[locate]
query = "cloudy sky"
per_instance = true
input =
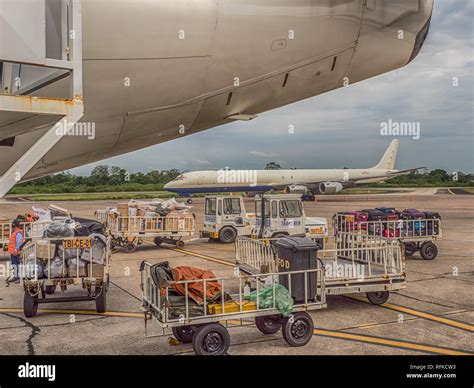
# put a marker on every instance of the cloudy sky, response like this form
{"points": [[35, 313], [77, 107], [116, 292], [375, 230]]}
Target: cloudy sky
{"points": [[342, 128]]}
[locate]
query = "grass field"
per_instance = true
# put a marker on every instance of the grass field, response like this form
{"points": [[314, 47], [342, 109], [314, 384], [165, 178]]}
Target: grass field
{"points": [[96, 196]]}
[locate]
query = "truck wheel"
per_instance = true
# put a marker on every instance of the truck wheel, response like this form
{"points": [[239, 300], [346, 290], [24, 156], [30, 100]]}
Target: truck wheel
{"points": [[379, 297], [184, 334], [227, 235], [30, 305], [180, 244], [50, 290], [429, 251], [158, 241], [101, 300], [268, 325], [189, 201], [298, 329], [211, 340], [130, 248], [410, 249]]}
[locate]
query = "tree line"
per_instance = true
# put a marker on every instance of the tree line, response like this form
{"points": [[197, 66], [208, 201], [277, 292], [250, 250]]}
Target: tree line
{"points": [[105, 178], [102, 178]]}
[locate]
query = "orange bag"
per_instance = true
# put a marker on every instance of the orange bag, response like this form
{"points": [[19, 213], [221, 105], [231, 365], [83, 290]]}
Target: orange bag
{"points": [[196, 290]]}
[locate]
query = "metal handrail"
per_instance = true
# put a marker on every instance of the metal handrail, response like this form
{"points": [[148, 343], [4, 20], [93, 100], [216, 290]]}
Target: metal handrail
{"points": [[418, 228]]}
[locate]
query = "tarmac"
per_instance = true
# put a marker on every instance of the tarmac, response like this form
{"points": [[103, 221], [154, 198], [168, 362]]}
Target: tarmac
{"points": [[433, 315]]}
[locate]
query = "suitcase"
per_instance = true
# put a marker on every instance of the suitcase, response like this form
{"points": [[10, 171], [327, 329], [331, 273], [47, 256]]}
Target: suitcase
{"points": [[414, 226], [391, 233], [374, 214], [432, 226], [412, 214], [387, 210], [352, 221]]}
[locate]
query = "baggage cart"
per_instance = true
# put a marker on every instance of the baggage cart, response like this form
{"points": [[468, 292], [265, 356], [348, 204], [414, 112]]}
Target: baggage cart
{"points": [[128, 232], [207, 328], [356, 264], [47, 264], [415, 234]]}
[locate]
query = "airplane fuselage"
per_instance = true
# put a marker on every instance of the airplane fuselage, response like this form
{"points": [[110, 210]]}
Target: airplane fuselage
{"points": [[157, 70]]}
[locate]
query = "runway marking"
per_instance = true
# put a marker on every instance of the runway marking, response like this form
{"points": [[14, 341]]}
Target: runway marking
{"points": [[417, 313], [120, 314], [205, 257], [421, 314], [392, 343], [318, 332], [383, 341]]}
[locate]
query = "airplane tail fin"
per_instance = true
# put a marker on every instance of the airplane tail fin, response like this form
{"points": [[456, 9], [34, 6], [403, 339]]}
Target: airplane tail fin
{"points": [[389, 158]]}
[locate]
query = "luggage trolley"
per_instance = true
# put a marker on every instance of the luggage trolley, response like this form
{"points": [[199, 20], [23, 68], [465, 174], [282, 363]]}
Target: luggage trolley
{"points": [[201, 324], [415, 234], [130, 232], [49, 263], [355, 265]]}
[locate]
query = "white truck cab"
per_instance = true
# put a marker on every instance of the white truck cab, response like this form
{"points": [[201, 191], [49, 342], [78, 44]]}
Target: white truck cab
{"points": [[225, 218], [283, 215]]}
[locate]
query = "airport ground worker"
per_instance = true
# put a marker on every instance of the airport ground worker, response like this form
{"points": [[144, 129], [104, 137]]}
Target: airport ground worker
{"points": [[14, 249]]}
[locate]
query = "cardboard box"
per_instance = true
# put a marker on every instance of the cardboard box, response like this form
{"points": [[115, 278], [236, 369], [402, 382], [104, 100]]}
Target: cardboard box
{"points": [[122, 208], [42, 247]]}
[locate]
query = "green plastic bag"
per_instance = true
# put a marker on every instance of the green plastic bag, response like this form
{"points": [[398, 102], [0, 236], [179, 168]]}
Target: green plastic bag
{"points": [[283, 299]]}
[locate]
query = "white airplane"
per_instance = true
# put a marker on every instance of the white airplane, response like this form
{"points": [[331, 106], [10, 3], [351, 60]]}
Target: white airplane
{"points": [[319, 181], [156, 70]]}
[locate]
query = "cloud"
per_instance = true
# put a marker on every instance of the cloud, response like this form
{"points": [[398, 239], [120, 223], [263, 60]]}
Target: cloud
{"points": [[261, 154]]}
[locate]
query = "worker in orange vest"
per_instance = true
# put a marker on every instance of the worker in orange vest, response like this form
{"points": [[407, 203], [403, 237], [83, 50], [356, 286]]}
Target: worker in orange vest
{"points": [[14, 249]]}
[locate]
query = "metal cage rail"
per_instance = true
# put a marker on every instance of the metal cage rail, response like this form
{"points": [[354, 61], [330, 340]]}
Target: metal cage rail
{"points": [[128, 232], [48, 263], [356, 264]]}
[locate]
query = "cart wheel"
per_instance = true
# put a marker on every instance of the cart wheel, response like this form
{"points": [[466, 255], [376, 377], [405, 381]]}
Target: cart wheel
{"points": [[270, 324], [429, 251], [211, 340], [50, 290], [30, 305], [227, 235], [180, 244], [184, 334], [101, 300], [130, 248], [298, 329], [158, 241], [189, 201], [378, 298], [410, 249]]}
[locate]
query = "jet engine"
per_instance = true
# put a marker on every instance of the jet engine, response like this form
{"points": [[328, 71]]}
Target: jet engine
{"points": [[328, 188], [296, 189]]}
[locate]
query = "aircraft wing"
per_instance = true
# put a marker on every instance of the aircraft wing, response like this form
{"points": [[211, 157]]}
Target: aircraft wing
{"points": [[389, 175]]}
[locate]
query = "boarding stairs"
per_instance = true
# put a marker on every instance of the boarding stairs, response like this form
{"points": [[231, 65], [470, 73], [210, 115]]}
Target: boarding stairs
{"points": [[40, 44]]}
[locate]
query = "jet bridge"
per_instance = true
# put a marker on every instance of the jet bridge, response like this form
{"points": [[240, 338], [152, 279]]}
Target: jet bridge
{"points": [[40, 44]]}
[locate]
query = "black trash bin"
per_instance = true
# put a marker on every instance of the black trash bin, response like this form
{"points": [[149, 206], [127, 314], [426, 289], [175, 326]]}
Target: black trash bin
{"points": [[297, 254]]}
